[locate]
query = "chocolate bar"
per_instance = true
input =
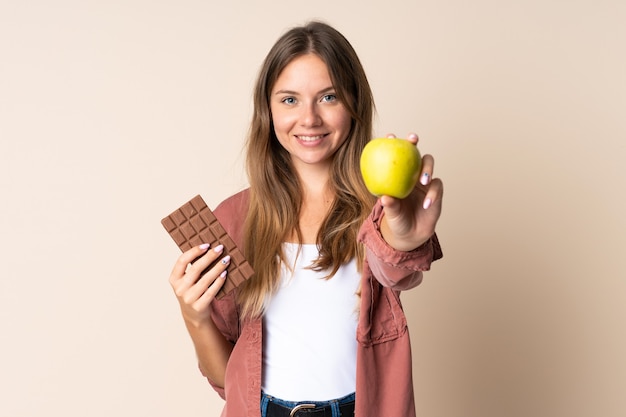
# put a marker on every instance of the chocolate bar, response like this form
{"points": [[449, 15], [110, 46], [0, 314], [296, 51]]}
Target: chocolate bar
{"points": [[193, 224]]}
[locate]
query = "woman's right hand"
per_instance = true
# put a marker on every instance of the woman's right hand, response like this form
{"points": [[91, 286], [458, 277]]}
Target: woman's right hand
{"points": [[194, 292]]}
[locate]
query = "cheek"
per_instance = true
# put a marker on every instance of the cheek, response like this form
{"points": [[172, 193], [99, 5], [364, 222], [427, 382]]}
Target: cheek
{"points": [[344, 121], [280, 120], [341, 116]]}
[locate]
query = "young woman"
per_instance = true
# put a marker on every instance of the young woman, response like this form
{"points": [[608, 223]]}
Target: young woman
{"points": [[319, 329]]}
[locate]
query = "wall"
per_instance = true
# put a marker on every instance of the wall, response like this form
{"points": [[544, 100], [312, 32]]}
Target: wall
{"points": [[113, 113]]}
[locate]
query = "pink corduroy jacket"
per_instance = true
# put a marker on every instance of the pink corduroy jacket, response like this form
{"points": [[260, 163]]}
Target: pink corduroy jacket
{"points": [[384, 385]]}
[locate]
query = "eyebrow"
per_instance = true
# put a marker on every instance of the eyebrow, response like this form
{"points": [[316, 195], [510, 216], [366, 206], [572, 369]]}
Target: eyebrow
{"points": [[295, 93]]}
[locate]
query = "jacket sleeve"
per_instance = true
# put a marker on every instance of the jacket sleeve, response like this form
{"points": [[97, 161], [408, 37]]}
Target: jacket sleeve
{"points": [[225, 317], [224, 312], [396, 269]]}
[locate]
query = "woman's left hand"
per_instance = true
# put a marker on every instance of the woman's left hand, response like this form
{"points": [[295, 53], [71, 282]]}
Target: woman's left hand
{"points": [[410, 222]]}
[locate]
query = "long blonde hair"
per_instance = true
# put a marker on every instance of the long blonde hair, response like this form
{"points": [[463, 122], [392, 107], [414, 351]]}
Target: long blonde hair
{"points": [[275, 192]]}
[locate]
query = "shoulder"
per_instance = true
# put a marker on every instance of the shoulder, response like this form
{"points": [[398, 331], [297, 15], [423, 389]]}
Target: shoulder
{"points": [[232, 212], [234, 205]]}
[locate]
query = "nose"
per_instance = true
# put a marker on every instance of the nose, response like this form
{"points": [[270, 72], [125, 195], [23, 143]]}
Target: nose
{"points": [[310, 115]]}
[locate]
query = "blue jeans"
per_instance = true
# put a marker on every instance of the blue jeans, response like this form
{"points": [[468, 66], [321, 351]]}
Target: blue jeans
{"points": [[334, 404]]}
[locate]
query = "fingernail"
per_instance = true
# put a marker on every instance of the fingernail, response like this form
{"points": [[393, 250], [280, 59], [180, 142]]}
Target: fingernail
{"points": [[424, 179], [205, 246], [226, 260], [427, 203], [223, 274], [218, 248]]}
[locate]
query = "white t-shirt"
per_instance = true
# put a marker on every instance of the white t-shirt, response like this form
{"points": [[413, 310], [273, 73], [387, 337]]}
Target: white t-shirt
{"points": [[309, 341]]}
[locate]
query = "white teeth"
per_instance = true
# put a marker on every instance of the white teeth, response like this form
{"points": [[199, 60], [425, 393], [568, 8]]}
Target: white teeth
{"points": [[310, 138]]}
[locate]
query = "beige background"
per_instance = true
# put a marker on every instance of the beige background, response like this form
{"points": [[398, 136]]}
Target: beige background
{"points": [[114, 113]]}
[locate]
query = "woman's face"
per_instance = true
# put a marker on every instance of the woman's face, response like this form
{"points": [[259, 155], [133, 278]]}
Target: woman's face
{"points": [[309, 121]]}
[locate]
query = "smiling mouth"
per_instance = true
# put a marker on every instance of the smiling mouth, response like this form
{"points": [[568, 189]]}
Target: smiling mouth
{"points": [[305, 138]]}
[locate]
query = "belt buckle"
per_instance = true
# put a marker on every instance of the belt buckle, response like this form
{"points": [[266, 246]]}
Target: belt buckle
{"points": [[300, 407]]}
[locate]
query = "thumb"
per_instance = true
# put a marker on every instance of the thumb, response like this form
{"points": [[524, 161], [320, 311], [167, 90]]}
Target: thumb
{"points": [[391, 206]]}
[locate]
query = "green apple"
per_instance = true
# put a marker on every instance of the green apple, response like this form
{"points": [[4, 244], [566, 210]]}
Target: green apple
{"points": [[390, 166]]}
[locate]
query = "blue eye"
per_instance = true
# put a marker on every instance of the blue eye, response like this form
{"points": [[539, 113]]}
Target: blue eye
{"points": [[289, 100], [329, 97]]}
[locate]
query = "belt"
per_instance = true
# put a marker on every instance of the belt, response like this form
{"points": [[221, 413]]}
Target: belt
{"points": [[308, 410]]}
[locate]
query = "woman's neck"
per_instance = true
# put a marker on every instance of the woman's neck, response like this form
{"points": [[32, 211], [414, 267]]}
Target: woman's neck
{"points": [[317, 198], [313, 177]]}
